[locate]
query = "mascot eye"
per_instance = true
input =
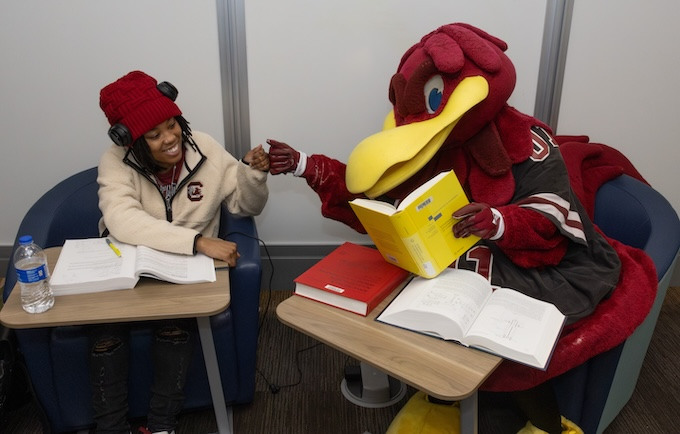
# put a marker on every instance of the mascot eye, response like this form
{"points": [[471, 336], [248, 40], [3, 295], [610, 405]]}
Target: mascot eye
{"points": [[433, 91]]}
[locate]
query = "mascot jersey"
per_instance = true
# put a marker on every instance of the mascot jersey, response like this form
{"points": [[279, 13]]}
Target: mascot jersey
{"points": [[589, 268]]}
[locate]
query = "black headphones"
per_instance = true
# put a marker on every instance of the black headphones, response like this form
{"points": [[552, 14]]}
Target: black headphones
{"points": [[120, 134]]}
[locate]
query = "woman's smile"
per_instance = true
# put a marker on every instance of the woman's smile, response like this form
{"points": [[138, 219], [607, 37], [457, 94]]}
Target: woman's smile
{"points": [[174, 150], [165, 143]]}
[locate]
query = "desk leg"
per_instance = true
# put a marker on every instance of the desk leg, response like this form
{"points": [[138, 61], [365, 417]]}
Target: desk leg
{"points": [[223, 414], [375, 389], [468, 414]]}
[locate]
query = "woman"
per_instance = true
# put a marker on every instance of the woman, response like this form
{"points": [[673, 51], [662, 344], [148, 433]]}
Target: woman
{"points": [[162, 185]]}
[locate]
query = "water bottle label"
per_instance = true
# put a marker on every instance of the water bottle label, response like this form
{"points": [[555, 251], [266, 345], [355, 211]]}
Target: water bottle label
{"points": [[33, 275]]}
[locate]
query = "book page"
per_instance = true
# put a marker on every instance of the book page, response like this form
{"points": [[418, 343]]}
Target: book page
{"points": [[175, 268], [513, 325], [92, 260], [415, 194], [446, 305], [375, 205]]}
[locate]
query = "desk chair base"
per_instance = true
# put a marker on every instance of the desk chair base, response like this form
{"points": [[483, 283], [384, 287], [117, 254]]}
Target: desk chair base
{"points": [[372, 388]]}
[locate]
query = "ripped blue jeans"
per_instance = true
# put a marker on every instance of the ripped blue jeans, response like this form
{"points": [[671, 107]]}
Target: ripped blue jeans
{"points": [[109, 359]]}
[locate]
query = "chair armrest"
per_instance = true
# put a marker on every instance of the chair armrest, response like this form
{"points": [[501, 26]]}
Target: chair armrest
{"points": [[247, 273], [634, 213], [245, 282]]}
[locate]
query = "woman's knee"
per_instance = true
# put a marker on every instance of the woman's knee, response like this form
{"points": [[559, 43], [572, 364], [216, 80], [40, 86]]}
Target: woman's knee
{"points": [[107, 345], [172, 334]]}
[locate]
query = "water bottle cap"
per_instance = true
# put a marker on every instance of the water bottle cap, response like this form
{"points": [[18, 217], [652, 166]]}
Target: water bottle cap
{"points": [[25, 239]]}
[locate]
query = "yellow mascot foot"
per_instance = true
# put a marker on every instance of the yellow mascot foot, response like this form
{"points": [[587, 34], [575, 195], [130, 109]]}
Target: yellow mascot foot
{"points": [[420, 416], [568, 427]]}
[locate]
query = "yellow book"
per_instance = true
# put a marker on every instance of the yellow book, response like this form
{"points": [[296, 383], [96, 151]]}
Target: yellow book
{"points": [[417, 235]]}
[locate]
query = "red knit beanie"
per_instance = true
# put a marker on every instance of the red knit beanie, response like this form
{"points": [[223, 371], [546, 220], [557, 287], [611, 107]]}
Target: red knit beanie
{"points": [[135, 102]]}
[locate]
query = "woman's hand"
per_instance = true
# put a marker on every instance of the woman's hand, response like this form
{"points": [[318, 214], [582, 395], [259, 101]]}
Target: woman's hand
{"points": [[257, 159], [218, 248]]}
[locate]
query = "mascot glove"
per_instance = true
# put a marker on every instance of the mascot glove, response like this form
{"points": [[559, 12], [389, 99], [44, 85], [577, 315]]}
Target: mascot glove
{"points": [[479, 219], [284, 159]]}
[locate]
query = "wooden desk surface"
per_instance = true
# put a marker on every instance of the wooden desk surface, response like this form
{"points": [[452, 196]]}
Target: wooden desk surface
{"points": [[442, 369], [150, 299]]}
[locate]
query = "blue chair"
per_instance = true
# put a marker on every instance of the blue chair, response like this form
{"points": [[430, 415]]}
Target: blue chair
{"points": [[57, 358], [632, 212]]}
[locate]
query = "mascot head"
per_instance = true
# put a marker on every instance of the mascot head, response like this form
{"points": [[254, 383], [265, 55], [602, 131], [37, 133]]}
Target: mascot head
{"points": [[447, 88]]}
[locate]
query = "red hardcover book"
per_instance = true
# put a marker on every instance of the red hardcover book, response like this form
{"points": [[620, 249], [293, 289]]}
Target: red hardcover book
{"points": [[352, 277]]}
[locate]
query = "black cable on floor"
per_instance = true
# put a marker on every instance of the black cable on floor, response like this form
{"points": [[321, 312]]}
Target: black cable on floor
{"points": [[274, 388]]}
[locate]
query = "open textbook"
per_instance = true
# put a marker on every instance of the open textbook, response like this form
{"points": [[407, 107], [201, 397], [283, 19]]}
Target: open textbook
{"points": [[417, 235], [462, 306], [92, 265]]}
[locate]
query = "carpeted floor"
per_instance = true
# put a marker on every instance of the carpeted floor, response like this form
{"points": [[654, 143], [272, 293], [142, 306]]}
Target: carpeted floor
{"points": [[306, 376]]}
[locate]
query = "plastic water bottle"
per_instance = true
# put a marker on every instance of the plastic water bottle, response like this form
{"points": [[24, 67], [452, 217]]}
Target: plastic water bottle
{"points": [[30, 262]]}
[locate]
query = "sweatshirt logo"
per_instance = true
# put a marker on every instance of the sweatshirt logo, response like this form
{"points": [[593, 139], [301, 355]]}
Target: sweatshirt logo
{"points": [[195, 191]]}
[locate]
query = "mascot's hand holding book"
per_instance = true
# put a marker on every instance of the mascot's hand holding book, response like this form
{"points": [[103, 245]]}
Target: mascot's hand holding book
{"points": [[417, 235]]}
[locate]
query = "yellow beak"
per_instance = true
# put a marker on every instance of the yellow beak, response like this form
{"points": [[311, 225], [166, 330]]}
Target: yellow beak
{"points": [[384, 160]]}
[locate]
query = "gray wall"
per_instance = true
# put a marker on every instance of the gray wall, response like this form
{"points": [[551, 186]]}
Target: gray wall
{"points": [[621, 85]]}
